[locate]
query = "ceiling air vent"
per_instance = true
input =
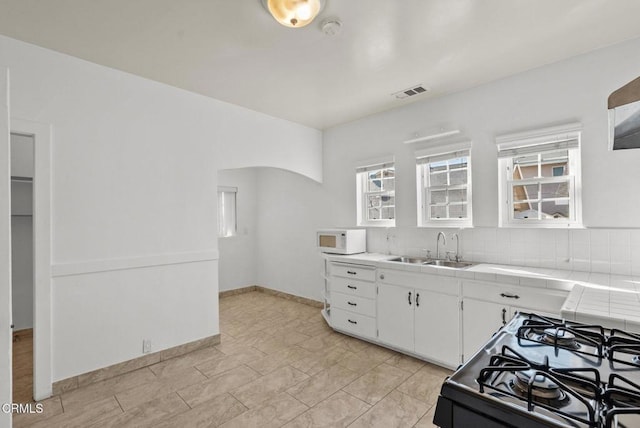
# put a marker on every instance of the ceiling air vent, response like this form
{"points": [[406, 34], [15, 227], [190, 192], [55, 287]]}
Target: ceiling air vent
{"points": [[405, 93]]}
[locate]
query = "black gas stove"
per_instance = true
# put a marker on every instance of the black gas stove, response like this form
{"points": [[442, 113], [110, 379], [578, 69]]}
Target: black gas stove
{"points": [[546, 372]]}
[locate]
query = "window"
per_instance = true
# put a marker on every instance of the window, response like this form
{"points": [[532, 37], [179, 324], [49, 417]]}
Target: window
{"points": [[444, 186], [540, 178], [376, 198], [227, 221]]}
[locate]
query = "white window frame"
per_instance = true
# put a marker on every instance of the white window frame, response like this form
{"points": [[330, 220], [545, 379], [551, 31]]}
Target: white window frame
{"points": [[423, 186], [564, 137], [363, 169], [227, 216]]}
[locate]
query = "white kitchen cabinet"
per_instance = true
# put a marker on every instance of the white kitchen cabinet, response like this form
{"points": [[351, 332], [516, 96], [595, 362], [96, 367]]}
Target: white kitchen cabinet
{"points": [[488, 306], [420, 313], [480, 320], [395, 315], [437, 326], [352, 291]]}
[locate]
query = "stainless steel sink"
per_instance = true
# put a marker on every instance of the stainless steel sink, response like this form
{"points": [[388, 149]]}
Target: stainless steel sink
{"points": [[450, 264], [413, 260], [431, 262]]}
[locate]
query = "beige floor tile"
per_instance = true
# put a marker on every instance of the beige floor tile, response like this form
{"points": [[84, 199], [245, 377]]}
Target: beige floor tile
{"points": [[424, 385], [80, 398], [283, 357], [372, 386], [199, 393], [377, 353], [394, 410], [271, 414], [139, 395], [357, 362], [220, 365], [51, 407], [339, 410], [427, 420], [324, 341], [320, 361], [322, 385], [405, 362], [149, 414], [102, 410], [233, 348], [210, 413], [178, 364], [267, 387]]}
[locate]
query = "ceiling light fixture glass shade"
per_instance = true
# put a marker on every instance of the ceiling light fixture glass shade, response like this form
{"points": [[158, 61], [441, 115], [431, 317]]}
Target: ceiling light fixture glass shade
{"points": [[294, 13]]}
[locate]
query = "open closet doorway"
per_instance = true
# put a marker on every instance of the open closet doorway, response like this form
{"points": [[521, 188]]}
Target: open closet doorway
{"points": [[22, 267]]}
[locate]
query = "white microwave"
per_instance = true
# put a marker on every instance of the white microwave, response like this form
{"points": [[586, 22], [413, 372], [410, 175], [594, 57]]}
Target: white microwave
{"points": [[342, 241]]}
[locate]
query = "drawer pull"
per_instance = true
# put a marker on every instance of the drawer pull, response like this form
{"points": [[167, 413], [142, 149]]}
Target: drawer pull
{"points": [[350, 272], [417, 299], [510, 296], [352, 304], [504, 316], [409, 298], [353, 287], [352, 321]]}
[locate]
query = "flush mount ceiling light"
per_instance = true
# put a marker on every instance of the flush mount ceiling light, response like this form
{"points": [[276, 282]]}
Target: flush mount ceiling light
{"points": [[293, 13]]}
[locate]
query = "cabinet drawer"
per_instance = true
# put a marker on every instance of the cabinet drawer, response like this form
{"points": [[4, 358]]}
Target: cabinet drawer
{"points": [[522, 297], [358, 324], [364, 273], [354, 304], [353, 287]]}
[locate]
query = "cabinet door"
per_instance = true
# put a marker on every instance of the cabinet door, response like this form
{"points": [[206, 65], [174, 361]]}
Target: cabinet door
{"points": [[395, 315], [437, 327], [479, 321]]}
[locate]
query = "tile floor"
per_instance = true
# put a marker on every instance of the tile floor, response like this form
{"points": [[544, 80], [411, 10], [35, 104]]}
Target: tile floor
{"points": [[278, 364]]}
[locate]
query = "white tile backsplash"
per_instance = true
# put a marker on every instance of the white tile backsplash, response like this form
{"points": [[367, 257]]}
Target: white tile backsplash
{"points": [[601, 251]]}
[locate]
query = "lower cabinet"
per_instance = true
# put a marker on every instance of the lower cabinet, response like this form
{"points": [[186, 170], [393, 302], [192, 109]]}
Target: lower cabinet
{"points": [[437, 327], [487, 306], [480, 320], [419, 320]]}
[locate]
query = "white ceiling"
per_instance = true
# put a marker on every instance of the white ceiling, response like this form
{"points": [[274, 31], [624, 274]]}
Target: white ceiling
{"points": [[234, 51]]}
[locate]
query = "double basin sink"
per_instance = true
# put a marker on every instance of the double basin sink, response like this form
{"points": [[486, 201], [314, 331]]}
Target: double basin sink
{"points": [[431, 262]]}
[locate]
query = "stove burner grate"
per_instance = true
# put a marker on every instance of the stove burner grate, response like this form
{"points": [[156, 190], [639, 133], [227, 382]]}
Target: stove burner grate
{"points": [[543, 386], [586, 339], [620, 344]]}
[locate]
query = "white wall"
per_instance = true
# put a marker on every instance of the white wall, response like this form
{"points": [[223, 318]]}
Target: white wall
{"points": [[567, 91], [291, 209], [134, 200], [238, 254]]}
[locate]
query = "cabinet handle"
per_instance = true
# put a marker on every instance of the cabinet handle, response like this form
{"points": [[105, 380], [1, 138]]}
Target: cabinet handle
{"points": [[352, 304], [381, 276], [504, 316], [353, 322], [510, 296], [350, 272], [353, 287], [409, 298], [417, 299]]}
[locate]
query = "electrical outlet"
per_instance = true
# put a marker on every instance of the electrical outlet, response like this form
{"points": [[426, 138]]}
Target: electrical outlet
{"points": [[146, 346]]}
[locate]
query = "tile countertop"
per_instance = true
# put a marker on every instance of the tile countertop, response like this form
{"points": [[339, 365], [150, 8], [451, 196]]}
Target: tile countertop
{"points": [[610, 300]]}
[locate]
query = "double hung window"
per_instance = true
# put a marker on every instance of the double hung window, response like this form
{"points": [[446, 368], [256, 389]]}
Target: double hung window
{"points": [[376, 194], [540, 178], [444, 187]]}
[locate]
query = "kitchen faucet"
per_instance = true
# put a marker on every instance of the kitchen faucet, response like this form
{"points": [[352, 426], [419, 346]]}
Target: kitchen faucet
{"points": [[455, 235], [444, 239]]}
